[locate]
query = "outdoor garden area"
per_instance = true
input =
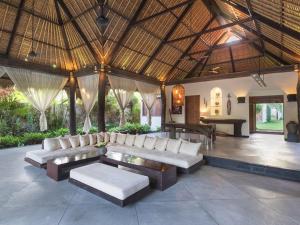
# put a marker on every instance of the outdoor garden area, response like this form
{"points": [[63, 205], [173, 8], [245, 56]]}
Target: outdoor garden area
{"points": [[269, 117]]}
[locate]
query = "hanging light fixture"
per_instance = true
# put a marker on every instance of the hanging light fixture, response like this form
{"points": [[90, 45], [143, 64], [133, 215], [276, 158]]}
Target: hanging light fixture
{"points": [[32, 53], [102, 20], [178, 94]]}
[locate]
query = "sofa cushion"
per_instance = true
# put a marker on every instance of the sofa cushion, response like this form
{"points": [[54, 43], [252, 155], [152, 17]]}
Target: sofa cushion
{"points": [[51, 144], [139, 140], [93, 139], [173, 146], [65, 143], [113, 181], [121, 139], [189, 148], [149, 143], [84, 140], [100, 137], [130, 140], [113, 137], [74, 140], [106, 137], [161, 144]]}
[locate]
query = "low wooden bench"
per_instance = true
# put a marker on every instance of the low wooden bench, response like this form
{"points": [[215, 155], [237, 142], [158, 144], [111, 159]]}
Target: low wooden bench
{"points": [[115, 185]]}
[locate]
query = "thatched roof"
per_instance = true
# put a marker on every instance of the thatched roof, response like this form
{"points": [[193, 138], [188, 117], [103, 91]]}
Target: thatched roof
{"points": [[164, 39]]}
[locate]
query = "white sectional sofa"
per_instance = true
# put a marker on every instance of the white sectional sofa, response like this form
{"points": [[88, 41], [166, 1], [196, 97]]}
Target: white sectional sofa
{"points": [[184, 155]]}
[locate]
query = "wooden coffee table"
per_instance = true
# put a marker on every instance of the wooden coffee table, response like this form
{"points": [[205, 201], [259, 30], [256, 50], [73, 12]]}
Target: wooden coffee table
{"points": [[59, 168], [161, 175]]}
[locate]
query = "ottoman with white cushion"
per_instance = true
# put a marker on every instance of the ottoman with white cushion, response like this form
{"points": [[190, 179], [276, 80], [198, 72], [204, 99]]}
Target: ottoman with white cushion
{"points": [[116, 185]]}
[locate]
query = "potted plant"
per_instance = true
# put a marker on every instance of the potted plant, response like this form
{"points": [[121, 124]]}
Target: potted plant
{"points": [[102, 147]]}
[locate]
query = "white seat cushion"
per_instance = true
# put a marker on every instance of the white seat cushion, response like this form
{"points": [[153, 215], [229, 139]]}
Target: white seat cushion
{"points": [[74, 140], [121, 138], [129, 140], [149, 143], [173, 145], [161, 144], [139, 140], [51, 144], [113, 181], [189, 148]]}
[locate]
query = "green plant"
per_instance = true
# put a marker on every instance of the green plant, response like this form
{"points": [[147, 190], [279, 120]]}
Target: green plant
{"points": [[132, 128], [9, 141]]}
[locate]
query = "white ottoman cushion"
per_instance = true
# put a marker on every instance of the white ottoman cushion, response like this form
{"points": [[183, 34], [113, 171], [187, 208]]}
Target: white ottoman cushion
{"points": [[113, 181]]}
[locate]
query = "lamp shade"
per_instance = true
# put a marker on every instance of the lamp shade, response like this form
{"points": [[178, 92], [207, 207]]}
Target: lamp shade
{"points": [[178, 94]]}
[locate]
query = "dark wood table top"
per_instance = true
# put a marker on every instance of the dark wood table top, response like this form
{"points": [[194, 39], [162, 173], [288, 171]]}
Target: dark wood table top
{"points": [[138, 161], [75, 158], [222, 121]]}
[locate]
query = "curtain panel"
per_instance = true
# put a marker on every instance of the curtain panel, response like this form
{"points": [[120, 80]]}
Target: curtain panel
{"points": [[123, 90], [88, 86], [149, 94], [40, 89]]}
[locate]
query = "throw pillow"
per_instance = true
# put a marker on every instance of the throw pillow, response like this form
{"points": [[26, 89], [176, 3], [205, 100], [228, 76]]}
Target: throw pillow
{"points": [[84, 140], [113, 137], [106, 137], [51, 144], [139, 141], [65, 143], [149, 143], [173, 146], [129, 140], [74, 140], [161, 144], [93, 139], [189, 148], [121, 138], [100, 137]]}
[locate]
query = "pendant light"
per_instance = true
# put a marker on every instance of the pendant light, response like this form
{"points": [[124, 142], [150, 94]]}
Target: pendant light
{"points": [[102, 20], [32, 53], [178, 95]]}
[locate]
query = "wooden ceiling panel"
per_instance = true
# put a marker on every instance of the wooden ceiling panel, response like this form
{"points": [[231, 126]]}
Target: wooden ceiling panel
{"points": [[243, 51], [4, 39], [222, 68], [7, 17], [158, 70], [168, 54], [186, 64], [250, 64], [176, 75], [219, 56]]}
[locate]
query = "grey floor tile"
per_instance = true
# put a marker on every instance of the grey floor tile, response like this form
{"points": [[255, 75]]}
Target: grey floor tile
{"points": [[7, 189], [173, 213]]}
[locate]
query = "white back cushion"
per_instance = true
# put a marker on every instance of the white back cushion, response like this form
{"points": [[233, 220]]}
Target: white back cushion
{"points": [[84, 140], [74, 140], [121, 138], [113, 137], [189, 148], [130, 140], [51, 144], [100, 137], [93, 139], [106, 137], [173, 145], [161, 144], [139, 140], [149, 143], [65, 143]]}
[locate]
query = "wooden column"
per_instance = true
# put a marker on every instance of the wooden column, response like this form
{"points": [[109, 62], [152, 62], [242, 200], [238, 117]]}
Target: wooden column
{"points": [[163, 106], [298, 101], [101, 99], [72, 101]]}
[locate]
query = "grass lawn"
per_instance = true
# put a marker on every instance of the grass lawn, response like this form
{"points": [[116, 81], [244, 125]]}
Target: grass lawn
{"points": [[274, 125]]}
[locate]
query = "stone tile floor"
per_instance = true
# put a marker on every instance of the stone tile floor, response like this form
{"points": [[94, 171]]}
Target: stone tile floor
{"points": [[210, 196]]}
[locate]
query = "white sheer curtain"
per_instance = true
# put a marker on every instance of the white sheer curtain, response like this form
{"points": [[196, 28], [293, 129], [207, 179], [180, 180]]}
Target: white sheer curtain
{"points": [[88, 86], [2, 71], [149, 94], [123, 90], [39, 88]]}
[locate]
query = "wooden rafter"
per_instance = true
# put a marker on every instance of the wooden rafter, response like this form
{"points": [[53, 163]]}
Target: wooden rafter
{"points": [[168, 35], [163, 12], [15, 27], [280, 27], [191, 45], [212, 29], [78, 29], [207, 55], [236, 60], [231, 59], [127, 30]]}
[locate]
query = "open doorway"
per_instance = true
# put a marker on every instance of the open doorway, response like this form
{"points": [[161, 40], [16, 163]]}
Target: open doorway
{"points": [[266, 114]]}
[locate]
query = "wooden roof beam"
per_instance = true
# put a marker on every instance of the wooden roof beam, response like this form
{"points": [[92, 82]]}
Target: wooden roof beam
{"points": [[163, 12], [192, 44], [280, 27], [126, 31], [212, 29], [192, 71], [168, 35], [15, 27], [231, 59]]}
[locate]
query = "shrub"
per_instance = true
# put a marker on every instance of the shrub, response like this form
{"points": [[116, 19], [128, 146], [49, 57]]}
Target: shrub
{"points": [[9, 141], [132, 128]]}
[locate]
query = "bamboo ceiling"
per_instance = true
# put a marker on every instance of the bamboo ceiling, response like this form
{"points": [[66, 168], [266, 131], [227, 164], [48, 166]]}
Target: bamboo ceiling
{"points": [[164, 39]]}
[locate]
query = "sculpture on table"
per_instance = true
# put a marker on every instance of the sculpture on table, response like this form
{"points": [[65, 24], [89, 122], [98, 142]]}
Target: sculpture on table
{"points": [[228, 105]]}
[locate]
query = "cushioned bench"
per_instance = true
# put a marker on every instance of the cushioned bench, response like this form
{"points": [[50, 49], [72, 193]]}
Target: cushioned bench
{"points": [[116, 185]]}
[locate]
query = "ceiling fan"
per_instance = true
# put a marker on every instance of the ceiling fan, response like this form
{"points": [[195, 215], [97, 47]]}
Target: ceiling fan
{"points": [[215, 70], [102, 20]]}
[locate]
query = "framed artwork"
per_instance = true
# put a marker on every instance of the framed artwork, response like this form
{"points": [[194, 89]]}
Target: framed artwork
{"points": [[175, 109]]}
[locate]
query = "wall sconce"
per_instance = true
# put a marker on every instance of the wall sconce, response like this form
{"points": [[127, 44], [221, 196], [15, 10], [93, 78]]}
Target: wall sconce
{"points": [[291, 98], [241, 99]]}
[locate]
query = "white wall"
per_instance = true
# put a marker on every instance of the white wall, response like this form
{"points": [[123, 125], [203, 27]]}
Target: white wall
{"points": [[277, 84], [155, 121]]}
